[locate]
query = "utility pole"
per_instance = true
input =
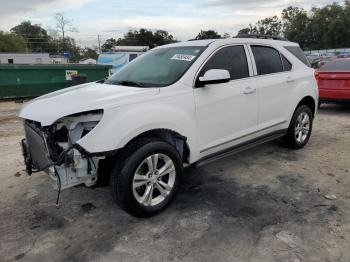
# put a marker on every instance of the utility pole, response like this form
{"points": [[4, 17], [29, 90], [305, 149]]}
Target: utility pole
{"points": [[99, 43]]}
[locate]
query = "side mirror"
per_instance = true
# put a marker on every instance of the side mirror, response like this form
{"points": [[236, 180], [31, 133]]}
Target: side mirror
{"points": [[214, 76]]}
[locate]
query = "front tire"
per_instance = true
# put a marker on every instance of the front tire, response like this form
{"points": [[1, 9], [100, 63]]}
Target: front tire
{"points": [[146, 179], [300, 128]]}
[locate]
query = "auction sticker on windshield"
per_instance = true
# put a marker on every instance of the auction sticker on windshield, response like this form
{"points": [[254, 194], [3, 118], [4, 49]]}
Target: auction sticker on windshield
{"points": [[180, 57]]}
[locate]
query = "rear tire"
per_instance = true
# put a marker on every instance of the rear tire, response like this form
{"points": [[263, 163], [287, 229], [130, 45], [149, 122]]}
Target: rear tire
{"points": [[300, 128], [146, 178]]}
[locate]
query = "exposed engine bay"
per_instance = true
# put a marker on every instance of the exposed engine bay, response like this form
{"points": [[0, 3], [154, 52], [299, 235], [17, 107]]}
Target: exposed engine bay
{"points": [[54, 149]]}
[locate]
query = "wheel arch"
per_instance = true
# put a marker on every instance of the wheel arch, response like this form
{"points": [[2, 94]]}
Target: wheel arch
{"points": [[170, 136], [310, 102]]}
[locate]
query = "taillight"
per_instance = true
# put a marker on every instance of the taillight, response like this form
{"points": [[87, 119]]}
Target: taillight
{"points": [[317, 75]]}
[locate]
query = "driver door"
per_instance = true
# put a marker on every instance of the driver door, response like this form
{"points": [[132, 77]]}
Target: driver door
{"points": [[227, 113]]}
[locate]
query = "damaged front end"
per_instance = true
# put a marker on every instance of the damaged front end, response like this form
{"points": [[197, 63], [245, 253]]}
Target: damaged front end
{"points": [[54, 149]]}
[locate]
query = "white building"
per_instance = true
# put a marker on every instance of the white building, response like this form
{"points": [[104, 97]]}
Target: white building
{"points": [[58, 59], [30, 58], [88, 61]]}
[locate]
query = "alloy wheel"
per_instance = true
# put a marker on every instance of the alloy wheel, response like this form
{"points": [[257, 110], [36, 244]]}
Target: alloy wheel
{"points": [[154, 180], [302, 127]]}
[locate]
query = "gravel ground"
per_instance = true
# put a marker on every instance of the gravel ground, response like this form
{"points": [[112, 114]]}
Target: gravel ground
{"points": [[265, 204]]}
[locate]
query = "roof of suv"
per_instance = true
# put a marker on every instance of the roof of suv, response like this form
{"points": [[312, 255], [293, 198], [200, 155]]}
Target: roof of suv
{"points": [[219, 42]]}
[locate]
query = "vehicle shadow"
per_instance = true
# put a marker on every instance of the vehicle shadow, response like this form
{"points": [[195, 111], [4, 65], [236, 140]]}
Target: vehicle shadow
{"points": [[334, 108]]}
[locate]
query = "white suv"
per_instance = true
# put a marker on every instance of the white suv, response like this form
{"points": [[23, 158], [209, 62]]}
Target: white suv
{"points": [[177, 105]]}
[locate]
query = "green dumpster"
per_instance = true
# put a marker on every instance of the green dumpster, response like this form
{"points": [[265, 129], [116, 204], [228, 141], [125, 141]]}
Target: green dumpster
{"points": [[20, 81]]}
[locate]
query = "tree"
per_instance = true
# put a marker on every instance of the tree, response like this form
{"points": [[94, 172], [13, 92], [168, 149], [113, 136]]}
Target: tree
{"points": [[162, 37], [269, 26], [296, 26], [75, 51], [142, 37], [64, 25], [321, 28], [226, 35], [10, 42], [89, 53], [248, 30], [330, 25], [209, 34], [35, 36], [109, 44]]}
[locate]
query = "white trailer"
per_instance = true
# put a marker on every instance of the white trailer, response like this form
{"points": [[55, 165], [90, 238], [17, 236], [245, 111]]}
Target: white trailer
{"points": [[120, 56]]}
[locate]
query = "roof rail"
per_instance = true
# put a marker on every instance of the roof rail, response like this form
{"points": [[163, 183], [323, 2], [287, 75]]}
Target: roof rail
{"points": [[260, 36]]}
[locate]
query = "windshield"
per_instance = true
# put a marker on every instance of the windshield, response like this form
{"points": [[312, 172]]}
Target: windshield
{"points": [[156, 68]]}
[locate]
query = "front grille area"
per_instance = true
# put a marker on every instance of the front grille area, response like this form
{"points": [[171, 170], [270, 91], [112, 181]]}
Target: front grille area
{"points": [[36, 144]]}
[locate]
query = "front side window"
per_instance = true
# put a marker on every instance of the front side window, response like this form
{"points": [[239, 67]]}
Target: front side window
{"points": [[158, 67], [267, 60], [232, 58]]}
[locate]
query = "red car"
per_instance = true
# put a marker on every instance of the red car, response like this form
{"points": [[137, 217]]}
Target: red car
{"points": [[333, 80]]}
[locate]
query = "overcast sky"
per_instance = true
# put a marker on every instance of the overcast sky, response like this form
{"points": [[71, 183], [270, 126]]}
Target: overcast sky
{"points": [[112, 18]]}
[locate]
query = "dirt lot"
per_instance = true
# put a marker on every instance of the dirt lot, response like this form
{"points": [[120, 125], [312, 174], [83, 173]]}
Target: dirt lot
{"points": [[266, 204]]}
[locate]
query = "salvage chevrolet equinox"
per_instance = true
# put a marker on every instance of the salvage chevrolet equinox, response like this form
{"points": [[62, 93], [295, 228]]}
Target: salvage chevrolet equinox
{"points": [[177, 105]]}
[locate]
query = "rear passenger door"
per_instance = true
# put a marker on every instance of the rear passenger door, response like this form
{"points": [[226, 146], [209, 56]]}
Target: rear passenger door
{"points": [[274, 86]]}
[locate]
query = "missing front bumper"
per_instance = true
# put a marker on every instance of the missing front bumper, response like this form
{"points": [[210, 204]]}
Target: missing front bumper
{"points": [[72, 169]]}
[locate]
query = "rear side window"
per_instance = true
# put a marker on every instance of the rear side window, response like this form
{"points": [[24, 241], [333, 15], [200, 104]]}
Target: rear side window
{"points": [[298, 53], [232, 58], [287, 66], [267, 59]]}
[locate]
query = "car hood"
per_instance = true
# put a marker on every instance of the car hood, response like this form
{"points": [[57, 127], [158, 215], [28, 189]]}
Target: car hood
{"points": [[92, 96]]}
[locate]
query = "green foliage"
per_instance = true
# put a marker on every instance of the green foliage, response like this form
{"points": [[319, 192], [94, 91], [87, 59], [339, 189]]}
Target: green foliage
{"points": [[35, 36], [248, 30], [10, 42], [89, 53], [321, 28], [330, 26], [267, 26], [109, 44], [270, 26], [209, 34], [296, 26], [226, 35], [141, 37]]}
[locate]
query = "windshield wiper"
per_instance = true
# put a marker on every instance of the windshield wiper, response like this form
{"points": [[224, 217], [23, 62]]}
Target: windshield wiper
{"points": [[130, 83]]}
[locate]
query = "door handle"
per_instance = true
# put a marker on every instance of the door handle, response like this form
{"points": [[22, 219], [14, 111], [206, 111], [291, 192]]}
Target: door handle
{"points": [[249, 90], [290, 79]]}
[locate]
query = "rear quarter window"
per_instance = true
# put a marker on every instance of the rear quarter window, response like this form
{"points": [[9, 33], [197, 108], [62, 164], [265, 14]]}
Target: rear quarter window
{"points": [[287, 66], [298, 53]]}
